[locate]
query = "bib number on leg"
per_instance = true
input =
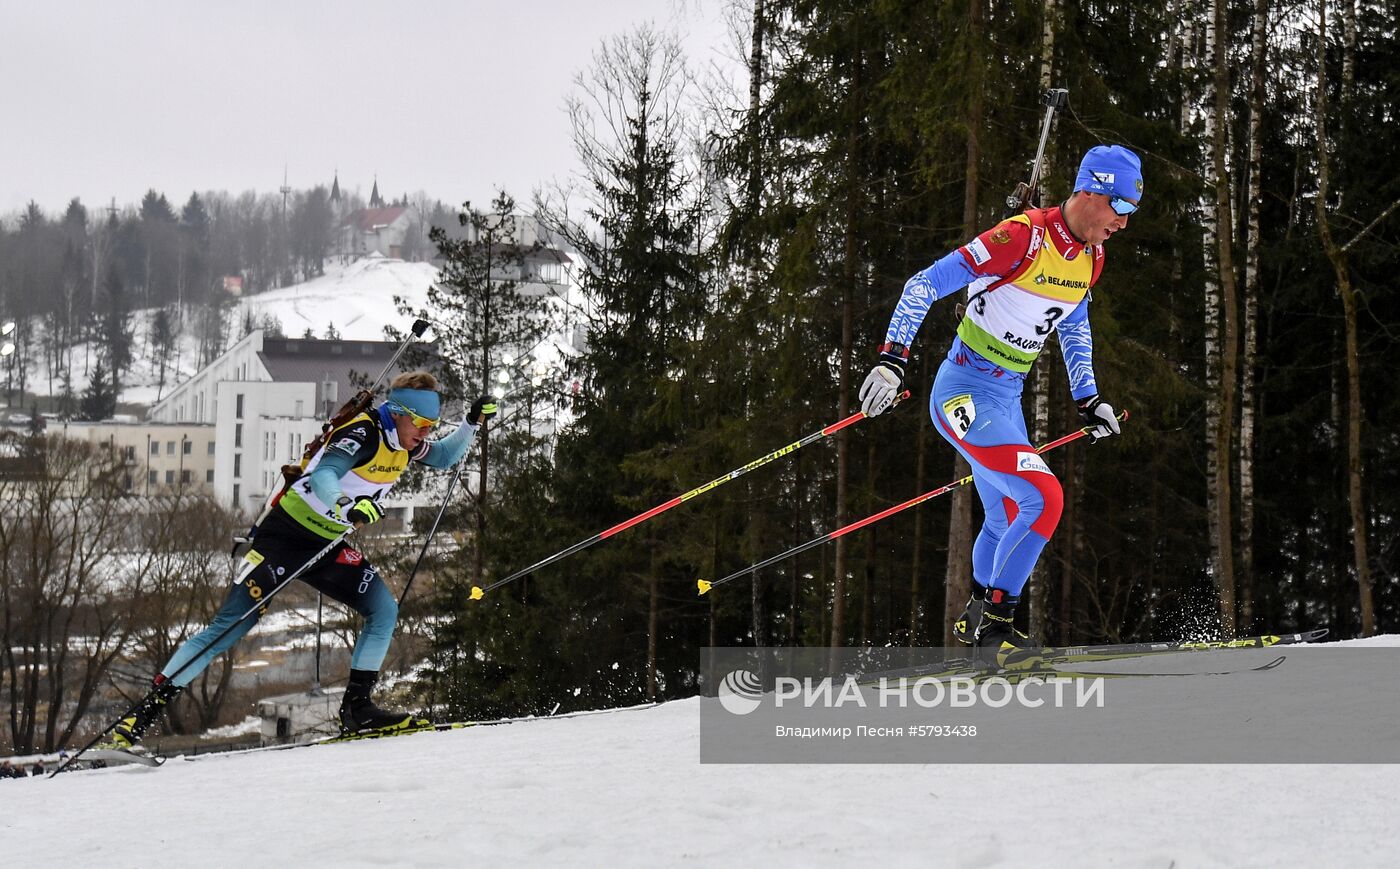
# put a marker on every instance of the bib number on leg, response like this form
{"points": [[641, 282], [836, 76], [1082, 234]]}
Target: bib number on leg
{"points": [[961, 413]]}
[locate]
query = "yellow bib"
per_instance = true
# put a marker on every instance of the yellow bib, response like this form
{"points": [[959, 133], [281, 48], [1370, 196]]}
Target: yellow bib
{"points": [[373, 479]]}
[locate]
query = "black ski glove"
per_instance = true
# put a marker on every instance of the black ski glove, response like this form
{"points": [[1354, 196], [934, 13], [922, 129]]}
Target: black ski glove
{"points": [[482, 409], [360, 511]]}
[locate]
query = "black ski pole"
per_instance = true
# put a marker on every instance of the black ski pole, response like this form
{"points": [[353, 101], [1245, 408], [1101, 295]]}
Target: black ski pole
{"points": [[261, 602], [446, 499]]}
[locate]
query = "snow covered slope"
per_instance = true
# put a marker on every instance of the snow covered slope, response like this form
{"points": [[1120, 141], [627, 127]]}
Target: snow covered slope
{"points": [[626, 788], [357, 299]]}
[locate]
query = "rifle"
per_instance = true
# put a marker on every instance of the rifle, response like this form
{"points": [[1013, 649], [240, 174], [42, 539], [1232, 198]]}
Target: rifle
{"points": [[1021, 198]]}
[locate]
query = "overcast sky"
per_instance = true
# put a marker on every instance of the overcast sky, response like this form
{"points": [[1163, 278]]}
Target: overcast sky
{"points": [[107, 99]]}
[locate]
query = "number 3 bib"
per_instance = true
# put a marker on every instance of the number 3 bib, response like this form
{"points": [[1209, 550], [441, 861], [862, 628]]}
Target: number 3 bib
{"points": [[1009, 320]]}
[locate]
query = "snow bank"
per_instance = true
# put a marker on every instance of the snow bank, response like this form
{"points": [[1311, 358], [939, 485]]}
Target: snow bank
{"points": [[626, 789]]}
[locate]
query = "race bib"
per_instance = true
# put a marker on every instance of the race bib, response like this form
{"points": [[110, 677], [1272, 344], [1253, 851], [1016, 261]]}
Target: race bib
{"points": [[961, 413], [250, 564]]}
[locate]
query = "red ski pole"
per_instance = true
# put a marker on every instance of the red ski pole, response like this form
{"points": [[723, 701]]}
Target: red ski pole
{"points": [[705, 586], [477, 592]]}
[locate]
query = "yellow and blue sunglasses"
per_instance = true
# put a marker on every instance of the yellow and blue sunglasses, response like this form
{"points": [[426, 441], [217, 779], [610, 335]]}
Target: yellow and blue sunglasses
{"points": [[418, 421]]}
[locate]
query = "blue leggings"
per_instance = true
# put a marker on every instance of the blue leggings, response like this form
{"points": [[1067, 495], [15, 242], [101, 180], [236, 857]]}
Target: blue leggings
{"points": [[343, 575], [1021, 498]]}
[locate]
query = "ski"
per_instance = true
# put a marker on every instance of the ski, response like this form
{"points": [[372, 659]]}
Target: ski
{"points": [[1119, 651], [405, 731], [448, 725], [1133, 650], [983, 674], [1014, 676], [119, 755]]}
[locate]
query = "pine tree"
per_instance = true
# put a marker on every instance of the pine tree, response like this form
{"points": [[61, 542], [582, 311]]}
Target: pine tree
{"points": [[194, 280], [67, 401], [100, 398], [645, 277], [163, 342], [116, 329], [486, 323]]}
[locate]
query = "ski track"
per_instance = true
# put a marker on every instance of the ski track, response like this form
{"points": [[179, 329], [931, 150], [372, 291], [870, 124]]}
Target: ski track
{"points": [[626, 789]]}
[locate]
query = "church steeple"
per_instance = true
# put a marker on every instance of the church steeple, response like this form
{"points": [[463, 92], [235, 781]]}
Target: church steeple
{"points": [[374, 200], [335, 188]]}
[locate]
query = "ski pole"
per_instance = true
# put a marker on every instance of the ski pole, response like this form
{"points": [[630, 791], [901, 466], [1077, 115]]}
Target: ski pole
{"points": [[446, 499], [704, 586], [261, 602], [477, 592]]}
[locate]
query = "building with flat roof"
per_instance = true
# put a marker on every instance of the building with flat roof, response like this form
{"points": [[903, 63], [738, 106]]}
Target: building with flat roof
{"points": [[264, 399], [157, 458]]}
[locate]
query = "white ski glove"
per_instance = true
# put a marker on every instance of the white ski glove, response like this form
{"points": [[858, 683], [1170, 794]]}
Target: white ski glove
{"points": [[882, 384], [1100, 417]]}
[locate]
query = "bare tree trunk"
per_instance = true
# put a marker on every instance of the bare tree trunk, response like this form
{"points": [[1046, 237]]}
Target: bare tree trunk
{"points": [[958, 580], [653, 610], [1348, 50], [1221, 323], [1337, 255], [755, 180], [758, 619], [1047, 47], [867, 590], [1037, 587], [1248, 383], [1068, 538], [484, 435], [798, 505], [714, 612], [843, 440], [920, 468], [843, 451]]}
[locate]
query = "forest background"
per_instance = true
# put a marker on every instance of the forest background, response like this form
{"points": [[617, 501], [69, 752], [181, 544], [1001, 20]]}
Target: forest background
{"points": [[744, 243]]}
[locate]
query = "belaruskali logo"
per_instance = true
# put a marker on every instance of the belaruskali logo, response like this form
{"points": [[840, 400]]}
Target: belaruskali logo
{"points": [[740, 692]]}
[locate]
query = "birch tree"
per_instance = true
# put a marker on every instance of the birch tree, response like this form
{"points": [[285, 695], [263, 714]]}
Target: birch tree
{"points": [[1221, 317], [1337, 256]]}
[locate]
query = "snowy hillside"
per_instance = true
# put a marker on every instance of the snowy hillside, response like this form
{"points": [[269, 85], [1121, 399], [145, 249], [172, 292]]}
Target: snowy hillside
{"points": [[626, 788], [356, 299]]}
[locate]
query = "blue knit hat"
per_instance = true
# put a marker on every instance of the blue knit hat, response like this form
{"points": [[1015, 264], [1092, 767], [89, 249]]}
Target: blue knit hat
{"points": [[1112, 170]]}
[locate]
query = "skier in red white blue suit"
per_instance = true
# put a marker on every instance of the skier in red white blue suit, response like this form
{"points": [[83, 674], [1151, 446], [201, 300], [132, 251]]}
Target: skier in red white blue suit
{"points": [[1026, 277]]}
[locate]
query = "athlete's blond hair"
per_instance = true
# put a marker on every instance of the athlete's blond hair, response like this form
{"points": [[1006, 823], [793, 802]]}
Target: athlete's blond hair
{"points": [[414, 380]]}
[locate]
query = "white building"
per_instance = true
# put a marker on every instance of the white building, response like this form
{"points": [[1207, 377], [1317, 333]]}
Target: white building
{"points": [[301, 717], [377, 230], [265, 398], [156, 458]]}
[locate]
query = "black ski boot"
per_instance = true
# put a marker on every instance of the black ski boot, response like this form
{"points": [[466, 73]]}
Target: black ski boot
{"points": [[998, 643], [966, 624], [358, 712], [130, 729]]}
